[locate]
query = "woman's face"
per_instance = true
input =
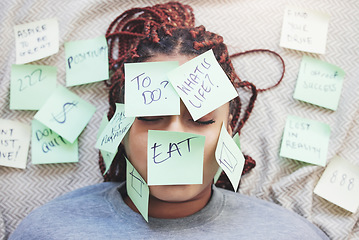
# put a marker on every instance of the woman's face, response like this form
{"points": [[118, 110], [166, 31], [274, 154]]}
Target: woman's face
{"points": [[135, 143]]}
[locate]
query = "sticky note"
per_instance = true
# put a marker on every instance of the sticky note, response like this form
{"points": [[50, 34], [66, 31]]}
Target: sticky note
{"points": [[304, 30], [36, 40], [106, 156], [339, 184], [31, 85], [202, 85], [236, 140], [229, 157], [174, 158], [148, 91], [217, 175], [49, 147], [115, 130], [65, 113], [319, 83], [86, 61], [137, 190], [305, 140], [14, 143]]}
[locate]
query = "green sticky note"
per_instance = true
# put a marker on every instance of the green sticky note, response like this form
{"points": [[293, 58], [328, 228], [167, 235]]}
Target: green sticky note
{"points": [[305, 140], [14, 143], [107, 156], [202, 85], [115, 130], [174, 158], [148, 91], [319, 83], [36, 40], [65, 113], [86, 61], [49, 147], [31, 85], [137, 190], [236, 140], [229, 157], [217, 175]]}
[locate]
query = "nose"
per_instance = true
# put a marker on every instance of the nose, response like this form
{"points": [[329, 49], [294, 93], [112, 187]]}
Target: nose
{"points": [[175, 124]]}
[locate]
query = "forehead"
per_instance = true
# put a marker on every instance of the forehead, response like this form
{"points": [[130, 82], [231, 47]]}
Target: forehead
{"points": [[162, 57]]}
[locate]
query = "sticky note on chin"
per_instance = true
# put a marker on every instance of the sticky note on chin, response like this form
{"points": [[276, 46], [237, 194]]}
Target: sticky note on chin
{"points": [[65, 113], [229, 157], [174, 158], [115, 130], [14, 143], [319, 83], [137, 189], [202, 85], [339, 184], [148, 91], [305, 140], [304, 30], [36, 40]]}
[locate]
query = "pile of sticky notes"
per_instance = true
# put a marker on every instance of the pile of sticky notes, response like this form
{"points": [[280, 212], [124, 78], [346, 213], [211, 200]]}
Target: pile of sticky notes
{"points": [[62, 115]]}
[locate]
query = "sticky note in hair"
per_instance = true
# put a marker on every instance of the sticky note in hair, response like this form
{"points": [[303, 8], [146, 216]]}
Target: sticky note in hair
{"points": [[14, 143], [319, 83], [148, 91], [65, 113], [202, 85], [229, 157], [339, 184], [304, 30], [36, 40], [49, 147], [174, 158], [115, 130], [86, 61], [137, 189], [305, 140], [31, 85]]}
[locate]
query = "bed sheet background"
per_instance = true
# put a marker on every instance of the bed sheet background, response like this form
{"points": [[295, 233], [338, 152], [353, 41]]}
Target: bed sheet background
{"points": [[246, 24]]}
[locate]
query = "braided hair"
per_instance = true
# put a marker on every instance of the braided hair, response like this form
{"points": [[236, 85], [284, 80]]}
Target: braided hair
{"points": [[141, 33]]}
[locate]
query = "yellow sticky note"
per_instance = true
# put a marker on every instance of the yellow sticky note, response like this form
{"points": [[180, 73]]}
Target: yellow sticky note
{"points": [[304, 30], [339, 184], [36, 40]]}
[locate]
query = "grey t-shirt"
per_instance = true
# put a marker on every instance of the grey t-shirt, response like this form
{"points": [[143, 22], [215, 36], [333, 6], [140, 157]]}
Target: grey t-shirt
{"points": [[99, 212]]}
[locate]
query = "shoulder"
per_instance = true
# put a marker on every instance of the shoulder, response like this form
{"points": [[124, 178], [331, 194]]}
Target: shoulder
{"points": [[264, 217]]}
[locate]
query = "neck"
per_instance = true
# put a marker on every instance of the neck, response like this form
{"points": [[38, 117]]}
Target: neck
{"points": [[158, 208]]}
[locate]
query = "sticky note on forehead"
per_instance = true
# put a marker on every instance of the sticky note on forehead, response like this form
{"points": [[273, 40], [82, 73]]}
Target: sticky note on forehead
{"points": [[148, 91], [305, 140], [36, 40], [319, 83], [202, 85], [174, 158]]}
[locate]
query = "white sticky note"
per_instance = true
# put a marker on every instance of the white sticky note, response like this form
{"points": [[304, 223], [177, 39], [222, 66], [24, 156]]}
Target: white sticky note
{"points": [[339, 184], [304, 30], [36, 40], [229, 157], [319, 83], [115, 130], [137, 190], [202, 85], [14, 143], [148, 91], [305, 140]]}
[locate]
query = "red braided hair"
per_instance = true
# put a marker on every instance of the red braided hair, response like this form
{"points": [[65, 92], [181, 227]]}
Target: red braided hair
{"points": [[140, 33]]}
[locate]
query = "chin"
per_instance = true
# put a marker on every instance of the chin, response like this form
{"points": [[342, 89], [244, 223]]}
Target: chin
{"points": [[177, 193]]}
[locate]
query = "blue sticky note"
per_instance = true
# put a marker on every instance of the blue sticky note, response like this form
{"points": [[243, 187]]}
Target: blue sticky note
{"points": [[115, 130], [65, 113], [148, 91], [49, 147], [86, 61], [174, 158], [31, 85], [229, 157]]}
